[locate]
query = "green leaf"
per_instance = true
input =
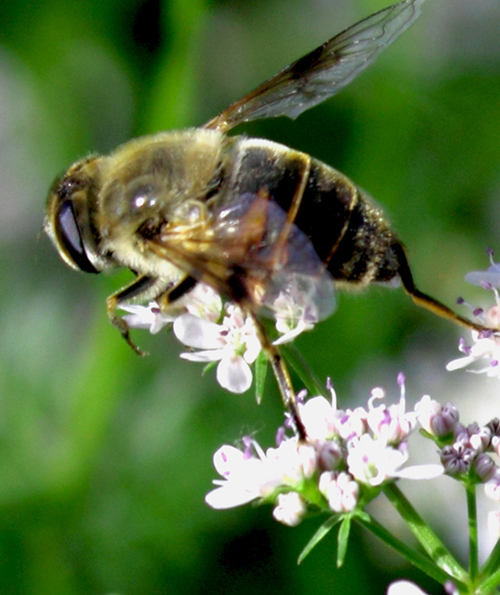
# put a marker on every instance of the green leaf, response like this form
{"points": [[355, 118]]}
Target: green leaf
{"points": [[318, 536], [433, 546], [209, 367], [419, 560], [342, 540], [311, 382], [261, 366]]}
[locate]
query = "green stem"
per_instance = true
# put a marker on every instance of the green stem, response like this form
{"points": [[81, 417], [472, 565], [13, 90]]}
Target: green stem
{"points": [[418, 560], [472, 514], [490, 584], [431, 543], [492, 564]]}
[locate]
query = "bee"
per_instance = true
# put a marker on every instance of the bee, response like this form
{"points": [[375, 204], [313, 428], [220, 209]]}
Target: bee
{"points": [[249, 217]]}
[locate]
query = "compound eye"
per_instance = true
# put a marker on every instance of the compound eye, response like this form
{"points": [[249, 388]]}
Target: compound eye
{"points": [[70, 237]]}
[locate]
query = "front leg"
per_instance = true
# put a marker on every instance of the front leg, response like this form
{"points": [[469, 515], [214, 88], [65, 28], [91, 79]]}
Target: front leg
{"points": [[138, 289], [141, 289]]}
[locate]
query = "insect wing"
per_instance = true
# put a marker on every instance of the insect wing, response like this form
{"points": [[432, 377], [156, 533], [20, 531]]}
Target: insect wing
{"points": [[241, 251], [283, 275], [324, 71]]}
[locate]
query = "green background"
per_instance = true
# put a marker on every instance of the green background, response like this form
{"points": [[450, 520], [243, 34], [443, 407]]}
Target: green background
{"points": [[105, 457]]}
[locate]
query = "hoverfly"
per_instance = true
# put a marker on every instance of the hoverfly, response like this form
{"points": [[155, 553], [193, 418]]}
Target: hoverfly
{"points": [[247, 216]]}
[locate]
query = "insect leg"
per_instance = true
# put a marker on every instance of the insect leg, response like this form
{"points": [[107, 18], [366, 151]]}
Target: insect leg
{"points": [[138, 287], [142, 288], [239, 293], [282, 376], [173, 294], [426, 301], [280, 247]]}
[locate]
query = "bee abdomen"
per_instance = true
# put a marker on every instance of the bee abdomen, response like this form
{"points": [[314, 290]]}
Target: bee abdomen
{"points": [[346, 228]]}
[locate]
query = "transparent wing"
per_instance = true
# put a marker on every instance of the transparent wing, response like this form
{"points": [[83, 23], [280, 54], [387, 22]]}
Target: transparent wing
{"points": [[280, 272], [323, 72], [241, 252]]}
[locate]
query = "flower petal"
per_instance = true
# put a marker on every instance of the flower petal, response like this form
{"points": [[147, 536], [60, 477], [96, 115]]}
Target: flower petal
{"points": [[404, 588], [197, 332], [227, 458], [490, 277], [229, 497], [460, 362], [209, 355], [234, 374], [419, 472]]}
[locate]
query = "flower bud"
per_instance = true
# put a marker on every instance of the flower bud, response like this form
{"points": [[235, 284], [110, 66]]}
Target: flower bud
{"points": [[484, 466]]}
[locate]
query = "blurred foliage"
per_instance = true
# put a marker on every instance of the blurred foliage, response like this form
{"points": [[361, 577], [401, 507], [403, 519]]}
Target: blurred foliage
{"points": [[96, 493]]}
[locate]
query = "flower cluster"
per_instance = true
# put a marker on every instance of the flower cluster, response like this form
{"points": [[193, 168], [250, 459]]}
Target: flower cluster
{"points": [[221, 332], [343, 464], [350, 454], [485, 345], [465, 451]]}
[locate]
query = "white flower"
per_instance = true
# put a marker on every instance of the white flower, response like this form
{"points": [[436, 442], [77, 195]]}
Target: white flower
{"points": [[247, 478], [341, 491], [201, 301], [489, 278], [300, 295], [341, 452], [372, 461], [485, 344], [292, 462], [205, 302], [234, 344], [244, 479], [485, 347], [290, 509], [390, 423], [404, 588], [320, 418], [352, 423], [293, 316], [147, 317]]}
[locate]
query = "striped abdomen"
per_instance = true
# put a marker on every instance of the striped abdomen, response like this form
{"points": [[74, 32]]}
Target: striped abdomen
{"points": [[346, 228]]}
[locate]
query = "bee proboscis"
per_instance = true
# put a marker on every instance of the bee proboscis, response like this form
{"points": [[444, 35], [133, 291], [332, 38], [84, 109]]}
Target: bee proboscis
{"points": [[247, 216]]}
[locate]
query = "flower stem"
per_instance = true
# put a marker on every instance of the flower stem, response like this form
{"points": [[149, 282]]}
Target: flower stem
{"points": [[490, 584], [491, 571], [418, 560], [472, 514], [431, 543], [492, 564]]}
